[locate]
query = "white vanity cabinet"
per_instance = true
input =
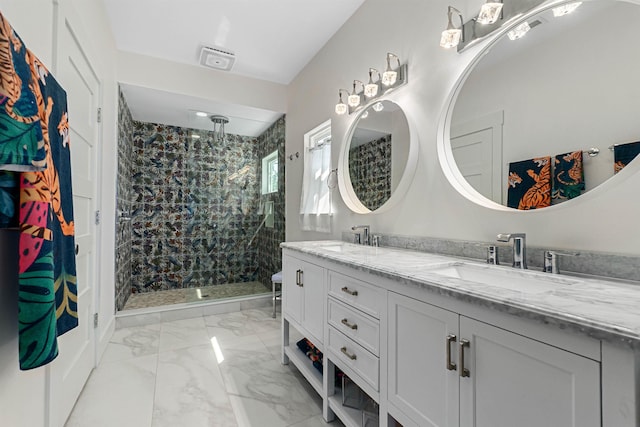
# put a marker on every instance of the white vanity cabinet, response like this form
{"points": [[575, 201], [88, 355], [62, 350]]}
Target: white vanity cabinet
{"points": [[434, 355], [448, 370], [304, 297]]}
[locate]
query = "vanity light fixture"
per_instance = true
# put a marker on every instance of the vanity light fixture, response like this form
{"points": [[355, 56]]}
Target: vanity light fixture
{"points": [[519, 31], [489, 12], [377, 107], [354, 98], [341, 107], [371, 88], [390, 76], [565, 9], [452, 36], [364, 95]]}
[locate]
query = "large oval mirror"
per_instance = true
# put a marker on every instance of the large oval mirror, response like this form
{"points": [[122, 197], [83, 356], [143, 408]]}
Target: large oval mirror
{"points": [[376, 163], [536, 120]]}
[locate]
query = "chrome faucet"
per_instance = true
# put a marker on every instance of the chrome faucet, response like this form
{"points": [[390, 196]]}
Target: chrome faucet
{"points": [[519, 248], [551, 260], [366, 239]]}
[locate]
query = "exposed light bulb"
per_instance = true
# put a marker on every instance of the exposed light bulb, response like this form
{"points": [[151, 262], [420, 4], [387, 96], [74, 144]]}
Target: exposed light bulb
{"points": [[519, 31], [365, 115], [341, 108], [378, 107], [354, 98], [489, 12], [371, 88], [390, 76], [450, 38], [566, 9]]}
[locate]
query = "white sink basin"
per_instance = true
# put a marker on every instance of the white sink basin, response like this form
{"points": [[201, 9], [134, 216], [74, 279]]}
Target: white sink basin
{"points": [[503, 277]]}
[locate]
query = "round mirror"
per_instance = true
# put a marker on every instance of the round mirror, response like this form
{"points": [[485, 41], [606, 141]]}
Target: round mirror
{"points": [[538, 115], [376, 160]]}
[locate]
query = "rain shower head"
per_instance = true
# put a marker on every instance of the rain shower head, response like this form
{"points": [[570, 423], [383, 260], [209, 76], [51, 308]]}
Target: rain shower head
{"points": [[218, 126]]}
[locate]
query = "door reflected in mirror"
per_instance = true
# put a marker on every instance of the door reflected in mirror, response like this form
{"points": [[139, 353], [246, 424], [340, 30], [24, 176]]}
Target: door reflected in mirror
{"points": [[378, 152], [569, 85]]}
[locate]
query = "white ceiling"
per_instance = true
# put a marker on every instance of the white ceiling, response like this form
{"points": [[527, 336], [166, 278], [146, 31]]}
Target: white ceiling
{"points": [[272, 40]]}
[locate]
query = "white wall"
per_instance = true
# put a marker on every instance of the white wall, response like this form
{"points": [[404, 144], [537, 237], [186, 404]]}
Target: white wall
{"points": [[603, 220], [23, 394]]}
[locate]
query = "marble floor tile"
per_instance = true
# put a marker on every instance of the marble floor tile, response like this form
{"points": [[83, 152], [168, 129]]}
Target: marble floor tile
{"points": [[182, 334], [190, 390], [270, 391], [174, 373], [254, 412], [132, 342], [117, 394], [241, 323]]}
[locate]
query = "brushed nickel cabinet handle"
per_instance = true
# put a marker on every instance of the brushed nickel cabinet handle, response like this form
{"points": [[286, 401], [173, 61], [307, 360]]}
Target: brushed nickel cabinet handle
{"points": [[450, 365], [346, 323], [299, 278], [350, 292], [349, 355], [464, 372]]}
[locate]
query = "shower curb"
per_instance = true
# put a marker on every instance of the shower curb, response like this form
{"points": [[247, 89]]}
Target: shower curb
{"points": [[168, 313]]}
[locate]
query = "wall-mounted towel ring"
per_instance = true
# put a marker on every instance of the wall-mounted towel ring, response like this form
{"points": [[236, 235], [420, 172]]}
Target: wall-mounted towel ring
{"points": [[291, 155]]}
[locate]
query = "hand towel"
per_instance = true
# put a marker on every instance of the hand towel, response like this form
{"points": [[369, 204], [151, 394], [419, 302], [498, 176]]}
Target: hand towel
{"points": [[529, 184], [568, 176], [623, 154]]}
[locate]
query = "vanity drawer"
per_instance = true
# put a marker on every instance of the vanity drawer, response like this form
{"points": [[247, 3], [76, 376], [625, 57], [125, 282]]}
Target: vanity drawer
{"points": [[356, 293], [358, 326], [355, 357]]}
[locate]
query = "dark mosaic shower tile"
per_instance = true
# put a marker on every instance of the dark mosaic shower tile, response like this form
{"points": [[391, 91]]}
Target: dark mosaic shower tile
{"points": [[187, 199]]}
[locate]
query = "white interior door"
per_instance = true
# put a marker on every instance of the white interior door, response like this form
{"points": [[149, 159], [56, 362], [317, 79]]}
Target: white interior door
{"points": [[74, 72], [477, 149]]}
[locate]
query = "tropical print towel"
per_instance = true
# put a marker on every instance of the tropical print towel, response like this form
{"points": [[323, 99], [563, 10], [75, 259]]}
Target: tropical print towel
{"points": [[529, 184], [568, 176], [623, 154], [21, 139], [42, 203]]}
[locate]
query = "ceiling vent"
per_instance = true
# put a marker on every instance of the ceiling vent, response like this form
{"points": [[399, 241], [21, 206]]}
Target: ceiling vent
{"points": [[217, 58]]}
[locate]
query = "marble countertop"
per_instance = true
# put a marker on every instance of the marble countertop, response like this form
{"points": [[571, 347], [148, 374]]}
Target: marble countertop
{"points": [[603, 309]]}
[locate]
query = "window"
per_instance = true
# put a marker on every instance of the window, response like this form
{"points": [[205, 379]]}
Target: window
{"points": [[315, 204], [270, 173]]}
